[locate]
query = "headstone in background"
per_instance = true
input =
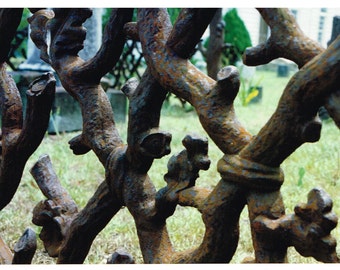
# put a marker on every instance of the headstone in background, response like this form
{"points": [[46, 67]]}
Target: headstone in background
{"points": [[33, 61], [247, 73], [119, 104], [283, 67], [93, 39], [335, 29], [282, 70], [335, 32], [92, 43], [66, 113]]}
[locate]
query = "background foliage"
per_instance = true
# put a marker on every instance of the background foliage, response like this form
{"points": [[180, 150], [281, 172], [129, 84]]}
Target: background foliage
{"points": [[236, 34]]}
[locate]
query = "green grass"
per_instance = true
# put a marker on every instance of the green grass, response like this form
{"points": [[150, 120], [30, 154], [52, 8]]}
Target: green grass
{"points": [[80, 175]]}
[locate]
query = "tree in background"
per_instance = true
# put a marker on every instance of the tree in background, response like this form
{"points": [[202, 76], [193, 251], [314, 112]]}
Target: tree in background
{"points": [[214, 52], [18, 51], [229, 38], [235, 34]]}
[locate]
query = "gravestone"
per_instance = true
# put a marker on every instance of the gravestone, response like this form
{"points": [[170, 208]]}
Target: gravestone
{"points": [[66, 113], [335, 32], [119, 104], [33, 61], [282, 70], [93, 39], [335, 29], [92, 43]]}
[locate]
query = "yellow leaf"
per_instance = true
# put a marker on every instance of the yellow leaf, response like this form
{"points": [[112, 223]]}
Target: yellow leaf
{"points": [[251, 95]]}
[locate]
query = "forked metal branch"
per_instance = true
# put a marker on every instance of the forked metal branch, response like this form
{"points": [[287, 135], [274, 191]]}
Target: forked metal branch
{"points": [[249, 169]]}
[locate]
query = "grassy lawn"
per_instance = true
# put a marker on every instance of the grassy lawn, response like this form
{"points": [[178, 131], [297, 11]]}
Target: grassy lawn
{"points": [[80, 175]]}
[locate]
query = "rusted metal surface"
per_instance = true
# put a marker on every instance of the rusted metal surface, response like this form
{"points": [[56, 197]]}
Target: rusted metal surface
{"points": [[120, 257], [286, 40], [188, 29], [249, 166], [216, 45], [55, 213], [20, 138]]}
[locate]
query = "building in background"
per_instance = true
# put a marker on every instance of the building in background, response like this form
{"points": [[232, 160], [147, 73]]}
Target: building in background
{"points": [[315, 22]]}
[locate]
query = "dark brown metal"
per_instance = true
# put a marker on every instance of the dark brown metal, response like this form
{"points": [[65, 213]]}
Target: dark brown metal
{"points": [[25, 248], [55, 213], [21, 138], [286, 40], [10, 19], [216, 45], [188, 30], [120, 257], [250, 167]]}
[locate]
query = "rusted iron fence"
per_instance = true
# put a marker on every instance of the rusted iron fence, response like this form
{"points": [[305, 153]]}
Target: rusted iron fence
{"points": [[249, 166]]}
